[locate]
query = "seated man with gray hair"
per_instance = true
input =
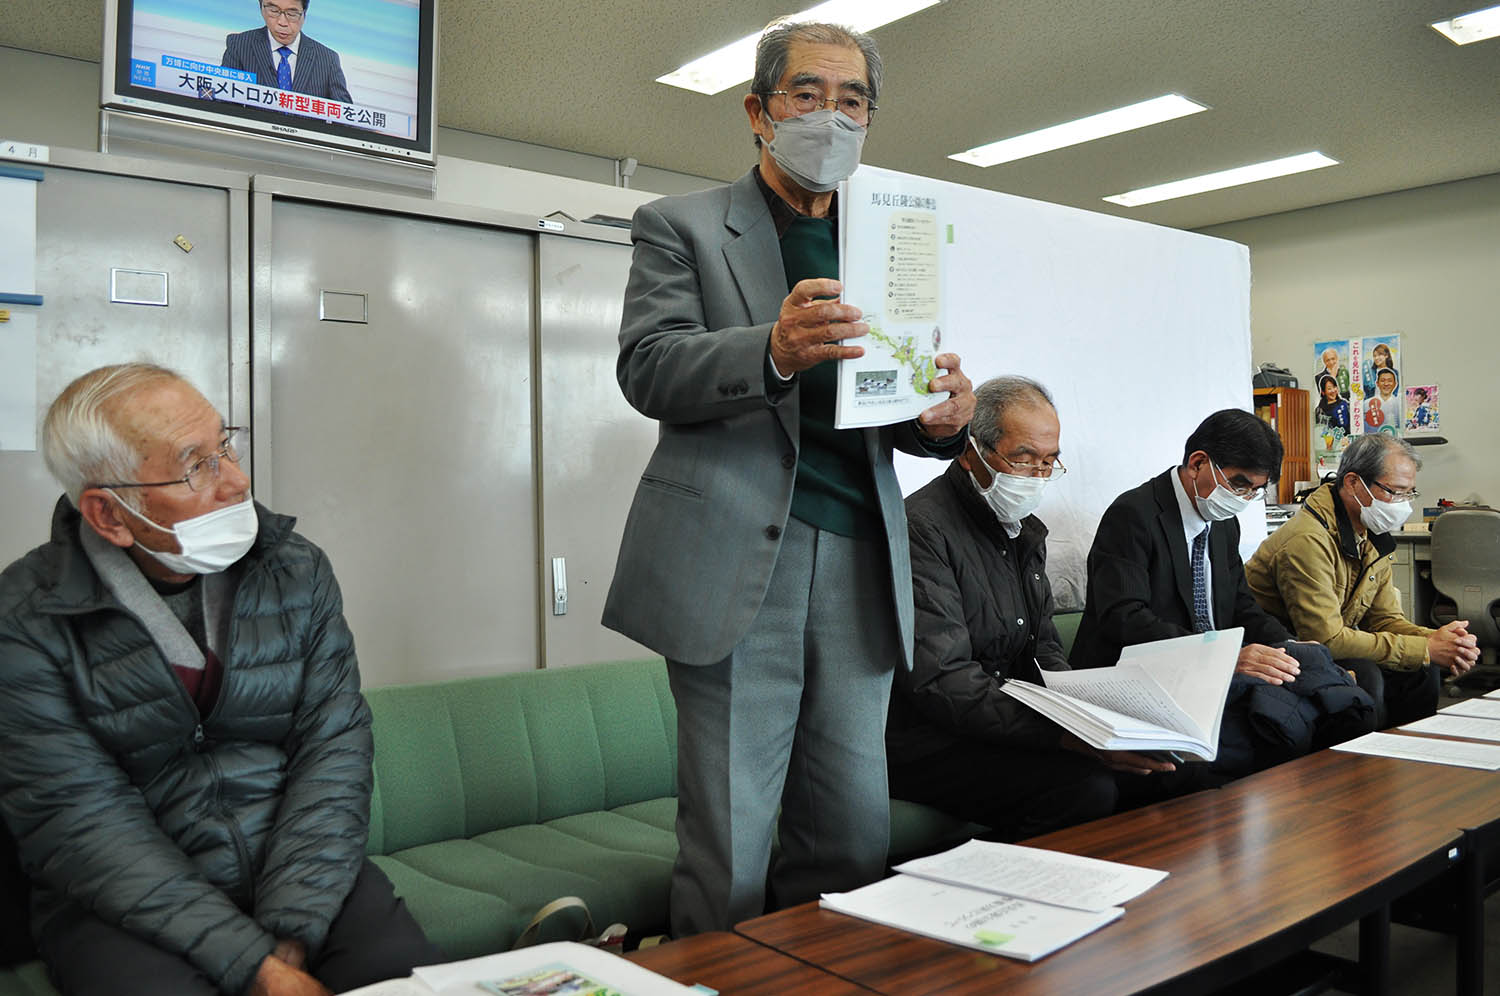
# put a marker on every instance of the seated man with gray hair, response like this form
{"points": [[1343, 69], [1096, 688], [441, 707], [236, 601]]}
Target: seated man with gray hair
{"points": [[184, 751], [1327, 575], [984, 616]]}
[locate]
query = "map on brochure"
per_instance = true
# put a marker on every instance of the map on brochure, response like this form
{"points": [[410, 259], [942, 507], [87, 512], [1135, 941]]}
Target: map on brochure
{"points": [[559, 969], [893, 241]]}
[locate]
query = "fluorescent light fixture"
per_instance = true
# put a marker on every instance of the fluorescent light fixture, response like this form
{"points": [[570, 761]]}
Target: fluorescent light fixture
{"points": [[1147, 112], [735, 63], [1465, 29], [1253, 173]]}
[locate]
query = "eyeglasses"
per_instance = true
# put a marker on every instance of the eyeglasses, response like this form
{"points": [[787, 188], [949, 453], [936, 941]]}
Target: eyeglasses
{"points": [[806, 99], [1049, 470], [205, 473], [276, 13], [1249, 491], [1398, 495]]}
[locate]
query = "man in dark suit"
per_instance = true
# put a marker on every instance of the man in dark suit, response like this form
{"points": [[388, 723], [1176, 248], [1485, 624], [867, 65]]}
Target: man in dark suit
{"points": [[280, 55], [1156, 539], [765, 555]]}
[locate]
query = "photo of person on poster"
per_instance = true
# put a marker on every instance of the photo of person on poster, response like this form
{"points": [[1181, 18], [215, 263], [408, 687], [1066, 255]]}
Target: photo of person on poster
{"points": [[1333, 366], [1422, 406], [1333, 408], [1382, 354], [1386, 398]]}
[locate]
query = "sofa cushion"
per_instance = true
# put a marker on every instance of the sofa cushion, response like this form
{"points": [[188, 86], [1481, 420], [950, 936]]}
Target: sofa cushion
{"points": [[456, 759]]}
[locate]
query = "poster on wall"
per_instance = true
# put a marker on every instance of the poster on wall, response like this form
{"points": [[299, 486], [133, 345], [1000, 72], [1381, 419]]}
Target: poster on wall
{"points": [[1422, 410], [1333, 414], [1380, 381]]}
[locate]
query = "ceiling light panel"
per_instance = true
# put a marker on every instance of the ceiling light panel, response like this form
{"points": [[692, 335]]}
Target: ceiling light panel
{"points": [[735, 63], [1465, 29], [1225, 178], [1147, 112]]}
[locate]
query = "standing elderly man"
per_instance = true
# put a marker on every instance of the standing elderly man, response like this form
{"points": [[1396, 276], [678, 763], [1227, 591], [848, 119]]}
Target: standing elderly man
{"points": [[184, 752], [984, 617], [765, 555], [1327, 575]]}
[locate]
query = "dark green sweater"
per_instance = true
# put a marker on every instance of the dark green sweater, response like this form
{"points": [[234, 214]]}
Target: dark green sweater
{"points": [[835, 489]]}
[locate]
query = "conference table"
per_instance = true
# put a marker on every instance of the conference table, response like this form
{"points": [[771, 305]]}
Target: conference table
{"points": [[736, 966], [1257, 873]]}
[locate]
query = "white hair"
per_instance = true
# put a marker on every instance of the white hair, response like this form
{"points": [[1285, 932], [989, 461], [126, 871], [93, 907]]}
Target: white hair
{"points": [[80, 442]]}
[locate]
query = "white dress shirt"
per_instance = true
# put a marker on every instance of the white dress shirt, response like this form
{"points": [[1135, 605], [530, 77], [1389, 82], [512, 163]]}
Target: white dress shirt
{"points": [[1192, 525]]}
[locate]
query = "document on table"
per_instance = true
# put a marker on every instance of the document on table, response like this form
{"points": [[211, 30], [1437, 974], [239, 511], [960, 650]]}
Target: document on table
{"points": [[1015, 928], [562, 967], [1454, 752], [1457, 725], [1033, 873], [1486, 708]]}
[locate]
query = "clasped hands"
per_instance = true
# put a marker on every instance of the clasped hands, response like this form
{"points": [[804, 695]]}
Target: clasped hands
{"points": [[1454, 647], [282, 973], [814, 325]]}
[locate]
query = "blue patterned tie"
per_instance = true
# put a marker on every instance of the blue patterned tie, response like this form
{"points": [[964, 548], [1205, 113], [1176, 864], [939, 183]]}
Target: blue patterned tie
{"points": [[1202, 621], [284, 68]]}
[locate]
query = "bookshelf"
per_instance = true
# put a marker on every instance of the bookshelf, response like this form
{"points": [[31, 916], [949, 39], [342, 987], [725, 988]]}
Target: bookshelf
{"points": [[1285, 410]]}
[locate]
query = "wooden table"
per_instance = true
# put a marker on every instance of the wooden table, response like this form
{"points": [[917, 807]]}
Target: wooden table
{"points": [[1410, 792], [739, 967], [1253, 879]]}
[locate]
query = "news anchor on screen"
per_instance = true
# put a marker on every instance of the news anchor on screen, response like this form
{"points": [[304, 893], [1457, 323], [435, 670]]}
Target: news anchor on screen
{"points": [[280, 55]]}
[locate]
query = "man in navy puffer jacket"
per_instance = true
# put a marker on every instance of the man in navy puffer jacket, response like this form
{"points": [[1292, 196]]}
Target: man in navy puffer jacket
{"points": [[184, 752]]}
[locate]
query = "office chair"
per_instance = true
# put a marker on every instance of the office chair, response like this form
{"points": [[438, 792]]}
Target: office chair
{"points": [[1466, 574]]}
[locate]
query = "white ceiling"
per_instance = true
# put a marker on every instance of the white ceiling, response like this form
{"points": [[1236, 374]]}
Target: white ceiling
{"points": [[1365, 81]]}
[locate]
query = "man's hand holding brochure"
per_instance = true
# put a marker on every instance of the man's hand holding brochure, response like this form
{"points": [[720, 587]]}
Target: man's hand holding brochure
{"points": [[1167, 695]]}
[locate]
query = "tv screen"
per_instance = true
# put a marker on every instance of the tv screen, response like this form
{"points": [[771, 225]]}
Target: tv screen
{"points": [[351, 73]]}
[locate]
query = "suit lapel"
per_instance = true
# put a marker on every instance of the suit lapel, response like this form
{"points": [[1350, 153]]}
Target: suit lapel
{"points": [[753, 255], [260, 45], [1169, 520]]}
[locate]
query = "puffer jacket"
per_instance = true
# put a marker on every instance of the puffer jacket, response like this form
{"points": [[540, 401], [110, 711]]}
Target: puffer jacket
{"points": [[984, 615], [207, 836]]}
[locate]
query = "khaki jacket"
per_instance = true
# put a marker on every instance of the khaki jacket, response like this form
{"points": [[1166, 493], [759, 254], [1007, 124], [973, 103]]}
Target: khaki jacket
{"points": [[1312, 575]]}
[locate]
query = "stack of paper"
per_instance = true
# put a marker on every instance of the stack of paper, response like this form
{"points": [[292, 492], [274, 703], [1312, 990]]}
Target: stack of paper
{"points": [[1165, 695], [1432, 750], [556, 969], [1021, 902]]}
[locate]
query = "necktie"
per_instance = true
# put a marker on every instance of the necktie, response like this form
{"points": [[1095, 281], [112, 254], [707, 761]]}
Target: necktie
{"points": [[284, 68], [1202, 621]]}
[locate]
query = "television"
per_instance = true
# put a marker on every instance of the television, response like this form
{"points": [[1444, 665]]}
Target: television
{"points": [[355, 74]]}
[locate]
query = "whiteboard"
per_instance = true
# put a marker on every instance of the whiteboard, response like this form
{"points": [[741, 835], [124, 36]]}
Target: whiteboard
{"points": [[1139, 332]]}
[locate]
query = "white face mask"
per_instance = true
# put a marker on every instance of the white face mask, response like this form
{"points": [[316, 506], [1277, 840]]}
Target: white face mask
{"points": [[1221, 503], [817, 150], [1010, 496], [1383, 516], [208, 543]]}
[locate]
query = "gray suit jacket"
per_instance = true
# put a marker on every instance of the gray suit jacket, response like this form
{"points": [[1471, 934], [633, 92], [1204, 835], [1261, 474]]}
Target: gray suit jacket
{"points": [[315, 71], [706, 285]]}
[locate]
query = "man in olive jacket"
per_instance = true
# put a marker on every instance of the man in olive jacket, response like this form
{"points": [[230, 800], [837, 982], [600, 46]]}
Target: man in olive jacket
{"points": [[184, 752], [1327, 575], [954, 739]]}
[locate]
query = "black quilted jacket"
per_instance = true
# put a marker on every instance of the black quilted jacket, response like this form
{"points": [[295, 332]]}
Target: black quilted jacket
{"points": [[209, 836]]}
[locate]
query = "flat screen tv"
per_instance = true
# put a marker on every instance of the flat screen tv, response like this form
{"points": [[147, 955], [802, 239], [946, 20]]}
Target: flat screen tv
{"points": [[355, 74]]}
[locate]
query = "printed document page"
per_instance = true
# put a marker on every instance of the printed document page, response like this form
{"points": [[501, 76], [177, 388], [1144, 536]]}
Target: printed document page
{"points": [[1033, 873], [1457, 725], [984, 921], [1483, 708], [1455, 752], [1195, 671]]}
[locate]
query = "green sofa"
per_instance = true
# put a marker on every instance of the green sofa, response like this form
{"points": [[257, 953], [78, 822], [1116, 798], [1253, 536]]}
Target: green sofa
{"points": [[495, 795]]}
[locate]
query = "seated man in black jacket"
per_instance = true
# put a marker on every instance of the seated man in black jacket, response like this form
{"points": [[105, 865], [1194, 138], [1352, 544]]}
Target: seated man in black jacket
{"points": [[184, 751], [984, 615], [1165, 563]]}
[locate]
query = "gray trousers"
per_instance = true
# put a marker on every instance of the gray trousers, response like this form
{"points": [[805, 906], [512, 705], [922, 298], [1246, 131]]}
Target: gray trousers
{"points": [[794, 717]]}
